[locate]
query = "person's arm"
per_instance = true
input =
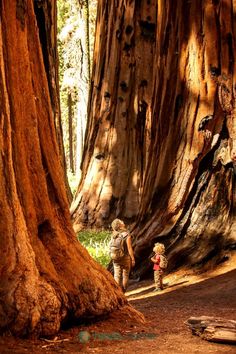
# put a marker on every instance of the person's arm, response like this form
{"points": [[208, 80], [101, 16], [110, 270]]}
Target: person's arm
{"points": [[156, 259], [153, 259], [130, 250]]}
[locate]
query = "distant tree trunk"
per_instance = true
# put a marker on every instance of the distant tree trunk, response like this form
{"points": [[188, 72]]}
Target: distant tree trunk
{"points": [[161, 139], [46, 276], [70, 131], [46, 12], [84, 82], [87, 36]]}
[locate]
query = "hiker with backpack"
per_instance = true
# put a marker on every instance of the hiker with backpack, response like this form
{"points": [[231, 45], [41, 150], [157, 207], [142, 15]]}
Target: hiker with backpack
{"points": [[160, 264], [121, 253]]}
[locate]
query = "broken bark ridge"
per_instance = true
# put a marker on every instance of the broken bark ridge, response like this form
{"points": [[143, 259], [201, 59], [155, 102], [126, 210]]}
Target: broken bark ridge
{"points": [[213, 329], [47, 277], [160, 148]]}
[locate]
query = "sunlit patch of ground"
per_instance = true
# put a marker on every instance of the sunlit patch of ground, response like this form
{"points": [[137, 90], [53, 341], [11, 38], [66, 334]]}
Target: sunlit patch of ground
{"points": [[186, 294], [178, 280]]}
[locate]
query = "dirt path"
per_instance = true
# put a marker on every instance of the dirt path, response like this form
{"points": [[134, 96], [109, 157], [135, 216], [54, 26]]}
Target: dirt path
{"points": [[165, 331]]}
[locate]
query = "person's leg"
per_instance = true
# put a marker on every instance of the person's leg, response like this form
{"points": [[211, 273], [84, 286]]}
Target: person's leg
{"points": [[158, 280], [126, 266], [117, 273], [161, 279]]}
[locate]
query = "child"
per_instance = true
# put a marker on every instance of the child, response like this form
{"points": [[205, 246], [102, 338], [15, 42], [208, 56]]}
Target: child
{"points": [[160, 263]]}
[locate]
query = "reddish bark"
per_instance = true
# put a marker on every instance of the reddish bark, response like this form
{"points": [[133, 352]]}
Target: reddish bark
{"points": [[47, 277], [160, 148]]}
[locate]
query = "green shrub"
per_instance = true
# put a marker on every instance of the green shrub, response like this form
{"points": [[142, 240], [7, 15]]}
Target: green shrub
{"points": [[97, 244]]}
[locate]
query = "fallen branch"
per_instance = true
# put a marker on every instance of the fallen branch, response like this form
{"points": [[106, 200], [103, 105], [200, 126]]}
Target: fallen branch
{"points": [[53, 341], [213, 329]]}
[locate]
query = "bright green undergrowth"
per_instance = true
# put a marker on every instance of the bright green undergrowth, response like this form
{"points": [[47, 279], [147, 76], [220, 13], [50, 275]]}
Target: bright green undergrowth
{"points": [[96, 242]]}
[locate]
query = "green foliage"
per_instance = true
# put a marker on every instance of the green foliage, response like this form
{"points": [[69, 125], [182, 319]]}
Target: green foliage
{"points": [[97, 244], [73, 181], [63, 11]]}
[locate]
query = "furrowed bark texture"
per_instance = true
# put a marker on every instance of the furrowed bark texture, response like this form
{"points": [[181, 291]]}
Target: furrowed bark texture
{"points": [[188, 199], [46, 276], [161, 138], [120, 101]]}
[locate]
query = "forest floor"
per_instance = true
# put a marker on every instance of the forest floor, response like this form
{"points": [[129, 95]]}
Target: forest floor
{"points": [[188, 293]]}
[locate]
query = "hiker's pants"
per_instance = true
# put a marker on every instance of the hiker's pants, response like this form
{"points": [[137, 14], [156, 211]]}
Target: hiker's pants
{"points": [[158, 276], [122, 270]]}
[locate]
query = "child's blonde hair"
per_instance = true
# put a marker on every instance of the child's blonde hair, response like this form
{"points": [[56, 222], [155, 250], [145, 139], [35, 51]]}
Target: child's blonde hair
{"points": [[117, 225], [159, 248]]}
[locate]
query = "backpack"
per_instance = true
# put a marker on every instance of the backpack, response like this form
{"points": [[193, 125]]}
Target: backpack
{"points": [[117, 246], [163, 261]]}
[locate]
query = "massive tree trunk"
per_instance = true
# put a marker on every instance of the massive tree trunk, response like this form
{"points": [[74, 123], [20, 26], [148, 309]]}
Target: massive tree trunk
{"points": [[161, 142], [188, 198], [117, 138], [47, 277]]}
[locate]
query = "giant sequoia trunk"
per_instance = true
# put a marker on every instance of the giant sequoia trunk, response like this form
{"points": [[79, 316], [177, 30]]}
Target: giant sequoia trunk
{"points": [[188, 198], [161, 142], [118, 135], [46, 276]]}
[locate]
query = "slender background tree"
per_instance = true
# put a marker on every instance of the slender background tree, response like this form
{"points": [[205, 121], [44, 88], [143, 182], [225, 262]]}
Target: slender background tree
{"points": [[75, 39], [160, 146]]}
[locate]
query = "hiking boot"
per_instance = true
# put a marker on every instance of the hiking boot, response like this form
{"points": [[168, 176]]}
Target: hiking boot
{"points": [[158, 289]]}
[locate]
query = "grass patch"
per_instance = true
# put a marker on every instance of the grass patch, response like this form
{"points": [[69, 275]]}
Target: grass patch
{"points": [[73, 181], [97, 244]]}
